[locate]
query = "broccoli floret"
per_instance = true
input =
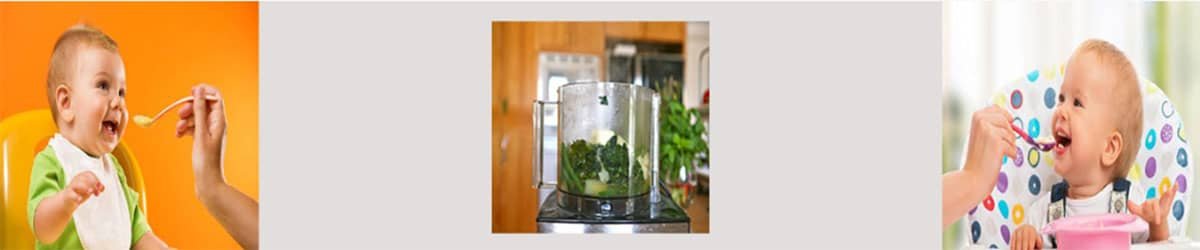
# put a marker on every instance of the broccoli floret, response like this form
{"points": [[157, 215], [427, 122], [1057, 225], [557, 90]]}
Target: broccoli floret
{"points": [[582, 161], [615, 159]]}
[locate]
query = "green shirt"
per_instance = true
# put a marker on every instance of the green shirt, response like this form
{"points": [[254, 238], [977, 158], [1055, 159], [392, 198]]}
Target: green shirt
{"points": [[47, 178]]}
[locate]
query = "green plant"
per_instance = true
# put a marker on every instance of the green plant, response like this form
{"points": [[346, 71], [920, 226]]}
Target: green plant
{"points": [[680, 134]]}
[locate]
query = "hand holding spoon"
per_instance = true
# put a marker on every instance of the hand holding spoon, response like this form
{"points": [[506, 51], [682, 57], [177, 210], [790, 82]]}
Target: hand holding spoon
{"points": [[146, 121]]}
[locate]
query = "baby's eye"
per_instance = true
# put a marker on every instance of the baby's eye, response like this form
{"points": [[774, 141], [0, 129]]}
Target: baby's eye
{"points": [[1060, 99], [121, 92], [1078, 104], [102, 85]]}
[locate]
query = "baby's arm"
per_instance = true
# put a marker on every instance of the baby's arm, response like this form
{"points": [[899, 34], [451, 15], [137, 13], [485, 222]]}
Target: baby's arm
{"points": [[151, 242], [53, 212]]}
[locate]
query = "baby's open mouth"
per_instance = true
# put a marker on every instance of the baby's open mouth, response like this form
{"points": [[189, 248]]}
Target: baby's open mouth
{"points": [[109, 126], [1063, 139]]}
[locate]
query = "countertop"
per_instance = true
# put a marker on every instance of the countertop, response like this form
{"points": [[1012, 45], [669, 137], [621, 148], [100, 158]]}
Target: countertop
{"points": [[698, 212]]}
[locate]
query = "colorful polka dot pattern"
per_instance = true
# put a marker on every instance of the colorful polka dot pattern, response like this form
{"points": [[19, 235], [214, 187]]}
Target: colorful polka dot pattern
{"points": [[1035, 185], [1035, 157], [1016, 99], [1161, 162], [1049, 98], [1151, 167], [1182, 157], [1003, 207], [1002, 184], [1151, 140], [1018, 214]]}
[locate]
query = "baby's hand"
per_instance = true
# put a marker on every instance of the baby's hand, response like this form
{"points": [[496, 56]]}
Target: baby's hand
{"points": [[1154, 212], [83, 186], [1026, 237]]}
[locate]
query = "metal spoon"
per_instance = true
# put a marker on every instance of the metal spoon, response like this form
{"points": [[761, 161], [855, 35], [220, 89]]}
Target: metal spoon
{"points": [[146, 121]]}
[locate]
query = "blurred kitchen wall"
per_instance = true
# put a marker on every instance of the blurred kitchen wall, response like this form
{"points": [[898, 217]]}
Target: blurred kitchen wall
{"points": [[695, 75]]}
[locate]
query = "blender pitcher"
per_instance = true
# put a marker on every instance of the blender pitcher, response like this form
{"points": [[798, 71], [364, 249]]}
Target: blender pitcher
{"points": [[607, 147]]}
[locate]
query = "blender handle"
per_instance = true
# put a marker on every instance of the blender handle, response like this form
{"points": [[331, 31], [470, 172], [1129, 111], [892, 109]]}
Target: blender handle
{"points": [[539, 125], [702, 73], [654, 147]]}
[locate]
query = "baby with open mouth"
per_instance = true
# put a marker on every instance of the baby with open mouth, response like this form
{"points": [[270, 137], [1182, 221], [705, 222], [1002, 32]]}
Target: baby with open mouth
{"points": [[78, 195], [1096, 126]]}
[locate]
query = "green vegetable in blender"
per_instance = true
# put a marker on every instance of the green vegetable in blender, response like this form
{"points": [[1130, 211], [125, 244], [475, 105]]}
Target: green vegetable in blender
{"points": [[601, 170]]}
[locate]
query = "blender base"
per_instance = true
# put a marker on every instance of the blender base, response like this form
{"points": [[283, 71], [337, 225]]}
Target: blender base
{"points": [[603, 207], [662, 216]]}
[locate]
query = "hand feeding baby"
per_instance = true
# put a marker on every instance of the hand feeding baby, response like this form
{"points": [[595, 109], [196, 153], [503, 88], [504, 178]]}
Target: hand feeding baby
{"points": [[1096, 126]]}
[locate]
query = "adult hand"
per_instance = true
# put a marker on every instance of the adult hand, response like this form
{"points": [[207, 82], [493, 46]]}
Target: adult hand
{"points": [[991, 138], [204, 119]]}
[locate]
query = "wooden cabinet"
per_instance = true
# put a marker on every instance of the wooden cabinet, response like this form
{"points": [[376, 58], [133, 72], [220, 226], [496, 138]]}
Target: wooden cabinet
{"points": [[624, 30], [573, 37], [669, 32], [674, 32], [514, 77], [588, 37], [552, 35]]}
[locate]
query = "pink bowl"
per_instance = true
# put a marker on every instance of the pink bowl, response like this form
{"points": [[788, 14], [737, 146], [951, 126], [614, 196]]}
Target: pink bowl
{"points": [[1102, 231]]}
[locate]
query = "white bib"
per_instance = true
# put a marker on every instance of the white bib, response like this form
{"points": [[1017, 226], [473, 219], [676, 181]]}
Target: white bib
{"points": [[103, 221]]}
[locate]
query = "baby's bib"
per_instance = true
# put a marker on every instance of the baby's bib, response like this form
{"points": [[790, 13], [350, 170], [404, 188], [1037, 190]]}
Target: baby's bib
{"points": [[103, 221]]}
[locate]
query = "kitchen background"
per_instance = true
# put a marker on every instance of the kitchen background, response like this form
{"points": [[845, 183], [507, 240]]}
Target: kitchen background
{"points": [[531, 59], [986, 44]]}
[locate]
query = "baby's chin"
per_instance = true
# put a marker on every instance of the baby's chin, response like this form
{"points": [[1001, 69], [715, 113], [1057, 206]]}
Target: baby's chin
{"points": [[107, 145], [1065, 171], [1061, 169], [99, 149], [109, 148], [103, 149]]}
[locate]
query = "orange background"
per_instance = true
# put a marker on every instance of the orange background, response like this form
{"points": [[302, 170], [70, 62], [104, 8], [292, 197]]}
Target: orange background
{"points": [[167, 48]]}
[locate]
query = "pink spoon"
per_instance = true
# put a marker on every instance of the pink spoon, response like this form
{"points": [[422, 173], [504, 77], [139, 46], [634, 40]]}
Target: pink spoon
{"points": [[1040, 146]]}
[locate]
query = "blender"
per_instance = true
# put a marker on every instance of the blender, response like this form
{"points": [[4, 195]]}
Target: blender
{"points": [[606, 175]]}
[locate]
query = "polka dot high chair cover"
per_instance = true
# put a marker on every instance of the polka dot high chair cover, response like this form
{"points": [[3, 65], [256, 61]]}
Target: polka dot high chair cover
{"points": [[1163, 158]]}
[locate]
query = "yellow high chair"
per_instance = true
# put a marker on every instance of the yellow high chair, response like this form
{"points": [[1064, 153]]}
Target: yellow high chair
{"points": [[21, 137]]}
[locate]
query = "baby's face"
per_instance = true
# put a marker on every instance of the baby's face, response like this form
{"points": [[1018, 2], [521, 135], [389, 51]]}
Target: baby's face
{"points": [[97, 100], [1083, 119]]}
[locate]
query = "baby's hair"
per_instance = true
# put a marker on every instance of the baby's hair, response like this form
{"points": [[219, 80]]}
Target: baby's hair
{"points": [[63, 57], [1127, 99]]}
